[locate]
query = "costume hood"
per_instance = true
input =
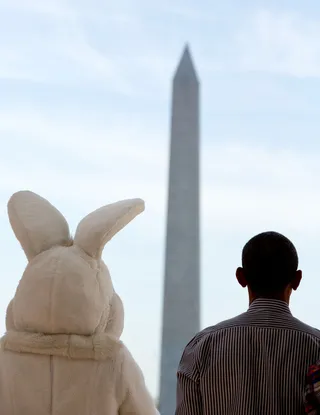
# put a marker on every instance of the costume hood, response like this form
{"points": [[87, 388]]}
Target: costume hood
{"points": [[65, 299]]}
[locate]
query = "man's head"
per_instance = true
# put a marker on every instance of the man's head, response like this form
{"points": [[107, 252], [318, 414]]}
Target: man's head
{"points": [[269, 266]]}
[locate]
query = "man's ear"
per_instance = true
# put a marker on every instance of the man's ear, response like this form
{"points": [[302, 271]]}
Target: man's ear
{"points": [[241, 277], [297, 279]]}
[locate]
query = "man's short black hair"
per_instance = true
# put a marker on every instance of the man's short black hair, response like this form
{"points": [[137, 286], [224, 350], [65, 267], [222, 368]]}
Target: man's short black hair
{"points": [[269, 261]]}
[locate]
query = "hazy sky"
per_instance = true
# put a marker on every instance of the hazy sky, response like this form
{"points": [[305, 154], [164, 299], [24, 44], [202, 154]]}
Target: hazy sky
{"points": [[84, 121]]}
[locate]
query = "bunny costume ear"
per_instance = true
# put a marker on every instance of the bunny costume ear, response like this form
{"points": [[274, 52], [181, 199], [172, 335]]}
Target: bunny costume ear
{"points": [[37, 224], [96, 229]]}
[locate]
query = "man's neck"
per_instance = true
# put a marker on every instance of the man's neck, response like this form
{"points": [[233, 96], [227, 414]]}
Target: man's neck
{"points": [[280, 297]]}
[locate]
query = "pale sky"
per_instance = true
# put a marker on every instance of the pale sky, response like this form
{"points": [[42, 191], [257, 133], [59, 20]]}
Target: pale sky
{"points": [[84, 120]]}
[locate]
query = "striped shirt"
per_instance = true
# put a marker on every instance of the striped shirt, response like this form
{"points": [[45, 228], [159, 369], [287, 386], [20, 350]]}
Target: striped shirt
{"points": [[253, 364]]}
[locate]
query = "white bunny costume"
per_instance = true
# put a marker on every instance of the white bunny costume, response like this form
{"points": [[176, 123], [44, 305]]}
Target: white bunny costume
{"points": [[61, 354]]}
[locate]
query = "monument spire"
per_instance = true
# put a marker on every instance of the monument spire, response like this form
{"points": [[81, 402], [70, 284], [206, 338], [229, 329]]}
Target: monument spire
{"points": [[186, 67], [181, 304]]}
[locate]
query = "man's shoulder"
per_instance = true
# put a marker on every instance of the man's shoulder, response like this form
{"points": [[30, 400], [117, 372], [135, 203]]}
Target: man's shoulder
{"points": [[203, 335], [242, 320], [305, 328]]}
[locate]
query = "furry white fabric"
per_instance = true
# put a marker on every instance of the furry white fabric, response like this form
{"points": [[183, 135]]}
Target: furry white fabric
{"points": [[61, 354]]}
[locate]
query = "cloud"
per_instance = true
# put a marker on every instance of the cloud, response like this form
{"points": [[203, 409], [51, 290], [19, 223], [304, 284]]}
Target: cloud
{"points": [[117, 47], [285, 43], [128, 54], [242, 184], [52, 47], [53, 8], [185, 11]]}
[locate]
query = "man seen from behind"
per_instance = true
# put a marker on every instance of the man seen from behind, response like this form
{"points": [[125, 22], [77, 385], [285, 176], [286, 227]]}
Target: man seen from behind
{"points": [[255, 363]]}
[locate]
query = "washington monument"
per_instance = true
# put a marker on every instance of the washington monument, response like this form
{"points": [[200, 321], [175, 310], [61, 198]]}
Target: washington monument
{"points": [[181, 305]]}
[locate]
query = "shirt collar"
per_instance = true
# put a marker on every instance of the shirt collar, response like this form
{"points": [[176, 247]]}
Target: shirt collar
{"points": [[267, 304]]}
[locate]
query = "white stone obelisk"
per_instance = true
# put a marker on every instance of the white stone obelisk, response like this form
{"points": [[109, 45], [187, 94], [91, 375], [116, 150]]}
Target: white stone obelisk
{"points": [[181, 304]]}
